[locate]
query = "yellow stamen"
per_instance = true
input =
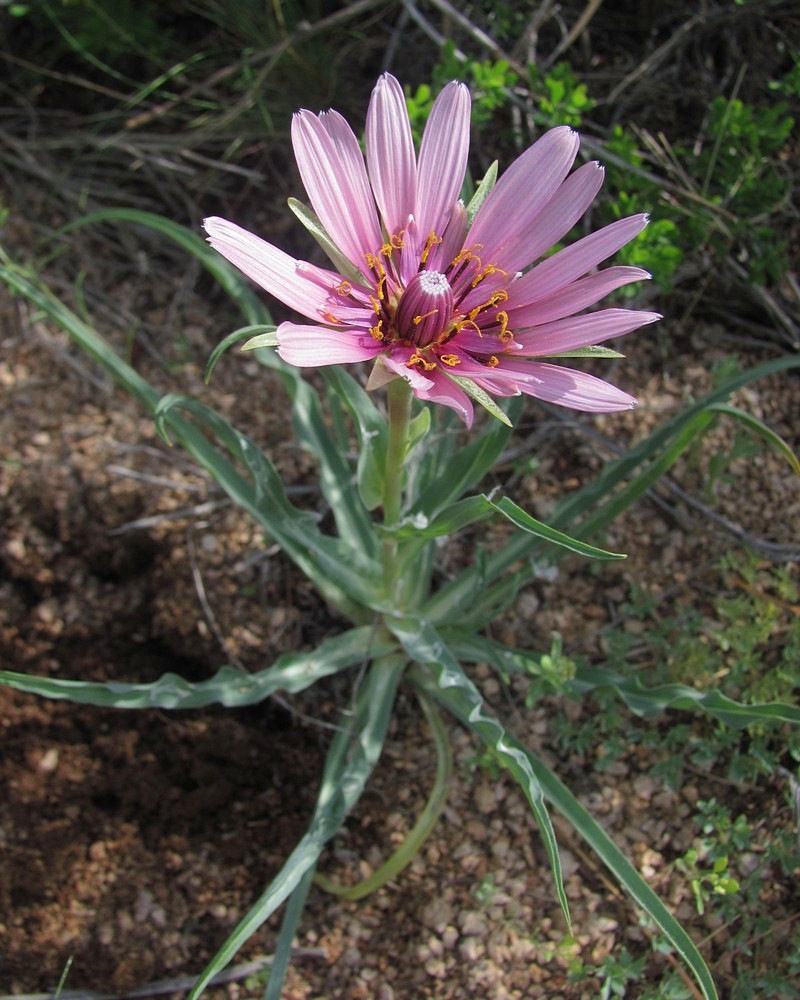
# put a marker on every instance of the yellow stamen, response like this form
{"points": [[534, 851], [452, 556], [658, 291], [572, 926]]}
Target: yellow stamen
{"points": [[417, 359], [465, 323], [485, 272], [418, 319], [432, 241], [493, 361], [505, 334], [344, 288], [450, 359]]}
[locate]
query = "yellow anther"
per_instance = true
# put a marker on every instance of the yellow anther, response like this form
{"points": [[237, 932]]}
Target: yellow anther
{"points": [[376, 330], [418, 319], [465, 323], [344, 288], [451, 359], [493, 361], [504, 334], [417, 359], [432, 241], [485, 272], [330, 318]]}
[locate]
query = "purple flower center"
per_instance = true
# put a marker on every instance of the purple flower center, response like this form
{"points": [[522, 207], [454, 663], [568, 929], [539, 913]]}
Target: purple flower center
{"points": [[425, 308]]}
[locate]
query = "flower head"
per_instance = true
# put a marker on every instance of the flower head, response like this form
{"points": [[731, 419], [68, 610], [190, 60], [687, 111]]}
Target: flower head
{"points": [[449, 303]]}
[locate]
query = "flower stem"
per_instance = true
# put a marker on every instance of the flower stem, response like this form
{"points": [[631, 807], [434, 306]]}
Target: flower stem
{"points": [[399, 398]]}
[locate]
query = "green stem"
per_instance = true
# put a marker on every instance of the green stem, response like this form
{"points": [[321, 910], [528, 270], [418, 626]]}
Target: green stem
{"points": [[399, 398], [422, 829]]}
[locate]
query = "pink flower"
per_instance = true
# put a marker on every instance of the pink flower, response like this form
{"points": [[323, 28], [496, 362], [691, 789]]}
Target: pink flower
{"points": [[453, 307]]}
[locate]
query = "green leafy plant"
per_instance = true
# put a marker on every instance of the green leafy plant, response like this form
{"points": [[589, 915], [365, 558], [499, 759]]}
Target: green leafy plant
{"points": [[411, 482], [489, 81], [558, 96]]}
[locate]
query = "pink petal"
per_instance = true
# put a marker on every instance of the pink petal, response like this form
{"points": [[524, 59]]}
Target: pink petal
{"points": [[574, 261], [480, 343], [452, 240], [396, 360], [391, 159], [313, 346], [333, 172], [446, 392], [581, 331], [570, 300], [492, 380], [442, 159], [567, 387], [521, 194], [275, 271], [557, 217]]}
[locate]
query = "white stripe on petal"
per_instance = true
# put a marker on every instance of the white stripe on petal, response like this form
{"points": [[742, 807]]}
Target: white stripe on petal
{"points": [[442, 159], [556, 219], [333, 172], [568, 387], [570, 300], [391, 159], [574, 261], [271, 268], [581, 331], [313, 346], [522, 193]]}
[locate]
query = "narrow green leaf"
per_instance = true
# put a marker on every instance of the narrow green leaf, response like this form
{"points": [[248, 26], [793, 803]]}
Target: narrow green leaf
{"points": [[419, 427], [466, 464], [452, 519], [480, 396], [353, 753], [465, 704], [269, 340], [591, 508], [282, 955], [585, 352], [337, 476], [641, 699], [472, 509], [444, 679], [481, 193], [371, 430], [522, 520], [290, 673], [759, 428], [311, 221], [623, 871], [649, 701], [345, 574]]}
